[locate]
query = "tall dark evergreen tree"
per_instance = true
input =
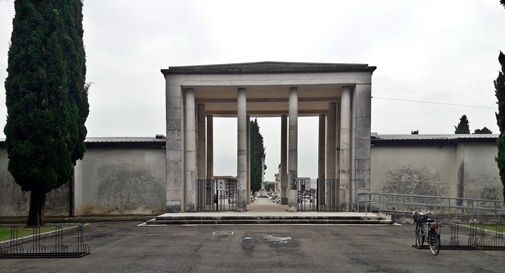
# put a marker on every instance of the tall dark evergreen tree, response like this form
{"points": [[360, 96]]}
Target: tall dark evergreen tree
{"points": [[257, 153], [463, 126], [502, 2], [499, 85], [46, 97]]}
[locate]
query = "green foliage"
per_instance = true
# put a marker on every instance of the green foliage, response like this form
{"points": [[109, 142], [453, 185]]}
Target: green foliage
{"points": [[257, 153], [463, 126], [45, 96], [269, 186], [499, 85], [484, 130]]}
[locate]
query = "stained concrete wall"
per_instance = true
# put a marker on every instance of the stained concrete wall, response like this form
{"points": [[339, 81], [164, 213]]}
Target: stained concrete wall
{"points": [[121, 181], [457, 170], [481, 176], [15, 202]]}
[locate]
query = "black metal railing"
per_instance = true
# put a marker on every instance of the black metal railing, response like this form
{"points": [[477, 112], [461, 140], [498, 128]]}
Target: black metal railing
{"points": [[476, 235], [217, 195], [41, 246], [320, 196]]}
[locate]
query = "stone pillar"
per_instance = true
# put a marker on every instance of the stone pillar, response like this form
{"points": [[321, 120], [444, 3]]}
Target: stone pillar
{"points": [[174, 146], [345, 146], [361, 142], [248, 159], [293, 148], [242, 148], [78, 188], [190, 152], [321, 155], [202, 168], [336, 186], [284, 161], [210, 147], [330, 154]]}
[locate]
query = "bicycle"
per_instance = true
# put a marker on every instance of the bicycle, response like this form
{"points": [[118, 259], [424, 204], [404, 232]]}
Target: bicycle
{"points": [[432, 237]]}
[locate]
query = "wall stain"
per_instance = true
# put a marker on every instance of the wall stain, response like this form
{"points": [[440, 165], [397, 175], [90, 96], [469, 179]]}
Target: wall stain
{"points": [[122, 189], [411, 180]]}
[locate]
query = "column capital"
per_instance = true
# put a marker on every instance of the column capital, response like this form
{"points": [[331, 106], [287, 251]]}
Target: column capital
{"points": [[293, 88], [347, 87]]}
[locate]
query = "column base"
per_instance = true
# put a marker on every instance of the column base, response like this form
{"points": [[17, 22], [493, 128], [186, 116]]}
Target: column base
{"points": [[293, 198], [173, 206]]}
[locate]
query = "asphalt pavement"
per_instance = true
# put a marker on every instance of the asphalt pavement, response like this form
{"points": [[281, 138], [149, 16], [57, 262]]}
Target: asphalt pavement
{"points": [[125, 247]]}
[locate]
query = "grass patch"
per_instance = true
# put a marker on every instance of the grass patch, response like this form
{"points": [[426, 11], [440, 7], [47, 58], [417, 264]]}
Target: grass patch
{"points": [[495, 228], [5, 231]]}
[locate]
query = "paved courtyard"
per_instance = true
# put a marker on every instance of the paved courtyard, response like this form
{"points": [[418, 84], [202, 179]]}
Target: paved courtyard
{"points": [[124, 247]]}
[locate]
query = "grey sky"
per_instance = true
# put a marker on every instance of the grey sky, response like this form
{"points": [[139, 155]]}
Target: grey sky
{"points": [[442, 51]]}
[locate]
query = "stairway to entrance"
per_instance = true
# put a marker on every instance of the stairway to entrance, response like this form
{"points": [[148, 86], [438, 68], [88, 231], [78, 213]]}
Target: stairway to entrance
{"points": [[279, 217]]}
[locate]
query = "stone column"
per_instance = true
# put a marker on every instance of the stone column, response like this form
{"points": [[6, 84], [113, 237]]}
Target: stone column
{"points": [[345, 145], [321, 155], [336, 186], [202, 168], [190, 152], [330, 154], [284, 161], [210, 147], [242, 148], [248, 201], [361, 142], [174, 146], [78, 188], [293, 148]]}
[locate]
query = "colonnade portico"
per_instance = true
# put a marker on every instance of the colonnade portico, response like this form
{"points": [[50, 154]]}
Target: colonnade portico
{"points": [[339, 94]]}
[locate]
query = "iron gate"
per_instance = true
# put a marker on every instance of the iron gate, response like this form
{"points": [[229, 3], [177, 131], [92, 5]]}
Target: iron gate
{"points": [[219, 194], [313, 198]]}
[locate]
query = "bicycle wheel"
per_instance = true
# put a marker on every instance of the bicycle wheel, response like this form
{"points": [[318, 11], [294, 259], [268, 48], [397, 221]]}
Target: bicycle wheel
{"points": [[434, 240], [419, 237]]}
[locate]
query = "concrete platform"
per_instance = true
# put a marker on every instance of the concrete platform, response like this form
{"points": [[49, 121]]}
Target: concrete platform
{"points": [[278, 217]]}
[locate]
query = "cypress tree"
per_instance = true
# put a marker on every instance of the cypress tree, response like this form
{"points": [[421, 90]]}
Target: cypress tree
{"points": [[463, 126], [45, 97], [257, 152], [499, 85]]}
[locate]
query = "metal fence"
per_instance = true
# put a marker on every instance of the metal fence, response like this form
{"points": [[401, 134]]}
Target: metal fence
{"points": [[318, 198], [39, 244], [217, 195], [392, 202]]}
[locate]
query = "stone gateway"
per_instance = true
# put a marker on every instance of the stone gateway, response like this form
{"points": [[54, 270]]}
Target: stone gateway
{"points": [[339, 94]]}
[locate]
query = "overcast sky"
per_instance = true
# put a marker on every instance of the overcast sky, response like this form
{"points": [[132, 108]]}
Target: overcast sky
{"points": [[435, 51]]}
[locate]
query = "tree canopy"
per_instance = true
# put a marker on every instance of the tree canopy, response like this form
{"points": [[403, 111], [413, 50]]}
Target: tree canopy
{"points": [[463, 127], [484, 130], [46, 97], [257, 153], [499, 85]]}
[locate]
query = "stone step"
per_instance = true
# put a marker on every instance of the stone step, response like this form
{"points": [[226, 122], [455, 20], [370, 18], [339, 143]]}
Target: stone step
{"points": [[295, 218], [265, 221]]}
